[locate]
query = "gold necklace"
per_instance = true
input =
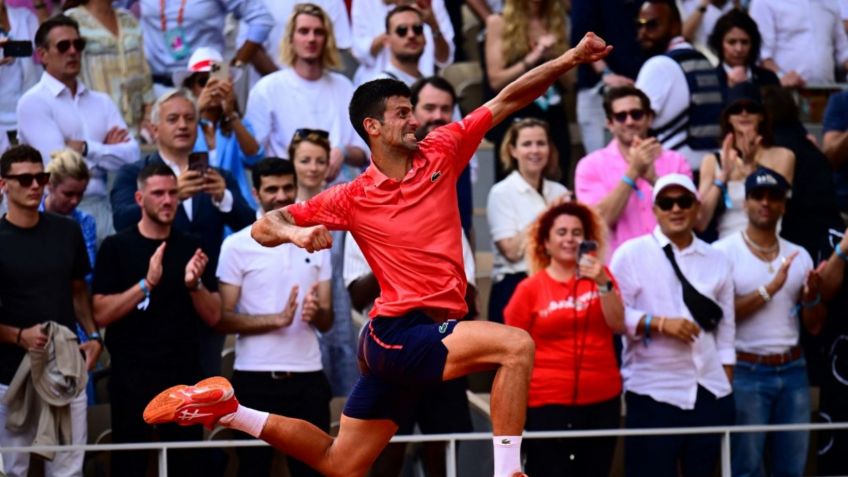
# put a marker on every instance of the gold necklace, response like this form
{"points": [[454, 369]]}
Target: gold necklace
{"points": [[763, 253]]}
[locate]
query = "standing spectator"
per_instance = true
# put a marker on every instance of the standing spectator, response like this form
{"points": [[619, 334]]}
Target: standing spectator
{"points": [[681, 83], [114, 62], [19, 74], [700, 17], [571, 308], [209, 199], [515, 202], [618, 180], [678, 350], [276, 299], [613, 20], [221, 131], [789, 28], [153, 291], [318, 95], [736, 41], [369, 24], [42, 270], [171, 31], [60, 111], [525, 35], [775, 287]]}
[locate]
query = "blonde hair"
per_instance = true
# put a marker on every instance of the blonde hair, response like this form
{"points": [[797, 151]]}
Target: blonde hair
{"points": [[330, 58], [66, 163], [510, 139], [516, 39]]}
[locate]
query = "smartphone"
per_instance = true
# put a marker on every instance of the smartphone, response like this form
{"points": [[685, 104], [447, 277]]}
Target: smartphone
{"points": [[198, 161], [586, 246], [17, 49], [220, 71]]}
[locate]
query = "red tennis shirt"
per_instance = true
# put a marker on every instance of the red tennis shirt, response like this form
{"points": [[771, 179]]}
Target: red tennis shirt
{"points": [[408, 230]]}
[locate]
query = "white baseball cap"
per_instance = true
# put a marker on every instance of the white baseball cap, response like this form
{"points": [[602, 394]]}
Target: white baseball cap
{"points": [[200, 61], [675, 179]]}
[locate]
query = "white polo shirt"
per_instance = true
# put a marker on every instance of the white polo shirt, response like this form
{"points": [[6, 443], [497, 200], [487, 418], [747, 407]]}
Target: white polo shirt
{"points": [[266, 276]]}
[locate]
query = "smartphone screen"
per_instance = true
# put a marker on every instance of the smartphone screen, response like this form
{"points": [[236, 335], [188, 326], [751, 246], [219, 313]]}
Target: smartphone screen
{"points": [[198, 161], [17, 49]]}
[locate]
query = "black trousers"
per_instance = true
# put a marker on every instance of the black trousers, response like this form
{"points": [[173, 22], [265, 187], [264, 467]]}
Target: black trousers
{"points": [[660, 456], [501, 293], [298, 395], [586, 457]]}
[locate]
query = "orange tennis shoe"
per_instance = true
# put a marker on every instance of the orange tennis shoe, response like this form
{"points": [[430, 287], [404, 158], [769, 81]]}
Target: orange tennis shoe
{"points": [[204, 403]]}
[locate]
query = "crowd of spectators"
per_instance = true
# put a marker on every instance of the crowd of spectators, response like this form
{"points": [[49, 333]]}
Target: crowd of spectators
{"points": [[689, 265]]}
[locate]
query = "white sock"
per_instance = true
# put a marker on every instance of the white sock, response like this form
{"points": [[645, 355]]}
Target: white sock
{"points": [[247, 420], [507, 455]]}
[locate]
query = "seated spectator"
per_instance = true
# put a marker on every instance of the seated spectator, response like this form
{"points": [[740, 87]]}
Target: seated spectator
{"points": [[748, 144], [309, 150], [789, 29], [19, 74], [222, 133], [369, 25], [60, 111], [700, 17], [777, 291], [114, 62], [618, 180], [315, 97], [525, 35], [680, 82], [514, 203], [678, 351], [405, 42], [575, 382], [736, 41], [171, 32]]}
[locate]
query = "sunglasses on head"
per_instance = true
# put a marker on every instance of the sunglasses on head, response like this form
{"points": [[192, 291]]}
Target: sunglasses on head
{"points": [[65, 45], [636, 114], [25, 180], [748, 107], [303, 133], [685, 202], [402, 30], [647, 24], [772, 194]]}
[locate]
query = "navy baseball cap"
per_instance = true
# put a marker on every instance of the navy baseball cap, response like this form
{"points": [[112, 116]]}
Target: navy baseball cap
{"points": [[765, 178]]}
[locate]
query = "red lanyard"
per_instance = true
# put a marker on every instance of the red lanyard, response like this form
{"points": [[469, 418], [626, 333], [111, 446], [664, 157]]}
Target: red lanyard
{"points": [[164, 21]]}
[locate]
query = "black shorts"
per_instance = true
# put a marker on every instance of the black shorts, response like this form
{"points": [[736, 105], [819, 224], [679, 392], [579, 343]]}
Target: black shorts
{"points": [[398, 358]]}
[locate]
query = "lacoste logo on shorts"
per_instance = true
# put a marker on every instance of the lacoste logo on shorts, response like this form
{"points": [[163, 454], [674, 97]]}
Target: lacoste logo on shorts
{"points": [[443, 328], [435, 176]]}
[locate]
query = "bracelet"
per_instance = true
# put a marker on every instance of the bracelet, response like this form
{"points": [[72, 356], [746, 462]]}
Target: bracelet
{"points": [[839, 253], [647, 333], [728, 202], [20, 332], [95, 336], [660, 327], [143, 285], [627, 180], [764, 294], [606, 72], [812, 304]]}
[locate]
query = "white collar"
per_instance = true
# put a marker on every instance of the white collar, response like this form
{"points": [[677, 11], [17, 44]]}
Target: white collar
{"points": [[56, 87]]}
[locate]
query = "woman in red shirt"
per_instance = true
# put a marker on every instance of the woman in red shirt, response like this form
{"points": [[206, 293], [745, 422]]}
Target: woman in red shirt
{"points": [[571, 309]]}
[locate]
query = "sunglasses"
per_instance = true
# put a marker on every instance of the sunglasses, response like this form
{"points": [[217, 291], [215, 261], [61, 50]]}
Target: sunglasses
{"points": [[685, 202], [25, 180], [303, 133], [636, 114], [651, 24], [65, 45], [750, 108], [402, 30], [200, 79], [773, 195]]}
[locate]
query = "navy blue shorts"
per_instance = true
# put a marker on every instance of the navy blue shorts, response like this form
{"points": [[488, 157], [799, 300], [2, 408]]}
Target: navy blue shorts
{"points": [[398, 358]]}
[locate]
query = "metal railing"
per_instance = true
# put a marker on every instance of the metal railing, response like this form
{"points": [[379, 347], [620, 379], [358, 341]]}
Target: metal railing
{"points": [[452, 440]]}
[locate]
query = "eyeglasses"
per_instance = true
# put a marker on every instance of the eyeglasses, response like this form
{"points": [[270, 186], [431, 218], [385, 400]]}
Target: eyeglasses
{"points": [[303, 133], [748, 107], [651, 24], [636, 114], [65, 45], [402, 30], [685, 202], [25, 180], [773, 195]]}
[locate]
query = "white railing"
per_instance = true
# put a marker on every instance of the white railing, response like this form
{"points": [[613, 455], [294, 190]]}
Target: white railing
{"points": [[452, 439]]}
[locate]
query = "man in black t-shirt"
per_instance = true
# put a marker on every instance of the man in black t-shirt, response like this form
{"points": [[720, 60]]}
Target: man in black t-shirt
{"points": [[150, 291], [43, 264]]}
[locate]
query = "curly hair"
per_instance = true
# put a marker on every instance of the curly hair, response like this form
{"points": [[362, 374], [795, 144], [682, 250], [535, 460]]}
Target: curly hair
{"points": [[594, 228], [510, 139], [516, 42]]}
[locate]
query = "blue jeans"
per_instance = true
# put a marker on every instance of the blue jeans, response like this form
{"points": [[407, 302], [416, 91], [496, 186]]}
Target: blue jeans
{"points": [[770, 395]]}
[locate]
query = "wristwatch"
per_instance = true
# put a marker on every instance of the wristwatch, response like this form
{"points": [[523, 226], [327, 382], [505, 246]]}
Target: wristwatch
{"points": [[605, 288]]}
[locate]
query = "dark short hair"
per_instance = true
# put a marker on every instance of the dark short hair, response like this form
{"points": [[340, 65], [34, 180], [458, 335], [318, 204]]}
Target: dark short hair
{"points": [[272, 166], [369, 101], [741, 20], [435, 81], [400, 9], [20, 153], [153, 169], [622, 92], [780, 106], [672, 5], [53, 22]]}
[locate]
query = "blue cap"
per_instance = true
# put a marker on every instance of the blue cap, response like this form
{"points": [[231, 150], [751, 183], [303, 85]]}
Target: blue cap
{"points": [[765, 178]]}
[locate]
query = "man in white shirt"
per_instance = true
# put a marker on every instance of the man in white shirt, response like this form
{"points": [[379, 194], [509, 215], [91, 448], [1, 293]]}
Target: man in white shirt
{"points": [[308, 95], [276, 299], [405, 41], [675, 371], [775, 285], [803, 40], [59, 111]]}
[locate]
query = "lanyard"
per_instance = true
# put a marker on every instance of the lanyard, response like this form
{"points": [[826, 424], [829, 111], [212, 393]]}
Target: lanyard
{"points": [[180, 15]]}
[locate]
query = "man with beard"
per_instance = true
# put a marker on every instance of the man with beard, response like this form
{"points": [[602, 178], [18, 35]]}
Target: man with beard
{"points": [[681, 83], [154, 293], [278, 361], [619, 179]]}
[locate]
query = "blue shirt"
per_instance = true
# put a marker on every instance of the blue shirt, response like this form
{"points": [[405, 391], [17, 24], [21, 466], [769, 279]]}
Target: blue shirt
{"points": [[230, 157], [836, 119]]}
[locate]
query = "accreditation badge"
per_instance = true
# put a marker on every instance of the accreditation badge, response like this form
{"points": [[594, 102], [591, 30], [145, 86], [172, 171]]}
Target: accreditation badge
{"points": [[176, 43]]}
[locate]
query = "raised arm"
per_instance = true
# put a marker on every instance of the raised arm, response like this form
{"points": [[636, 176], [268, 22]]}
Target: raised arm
{"points": [[532, 84]]}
